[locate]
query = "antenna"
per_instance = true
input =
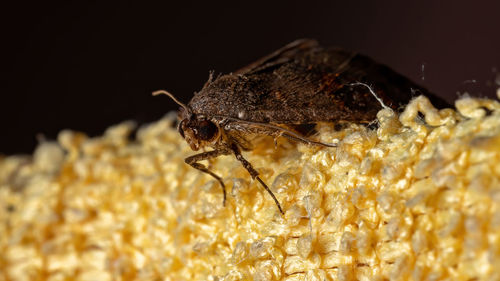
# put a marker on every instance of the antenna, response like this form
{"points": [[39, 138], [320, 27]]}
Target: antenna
{"points": [[163, 92]]}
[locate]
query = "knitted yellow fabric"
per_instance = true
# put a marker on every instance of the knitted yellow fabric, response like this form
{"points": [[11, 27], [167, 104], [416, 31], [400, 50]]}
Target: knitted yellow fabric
{"points": [[417, 198]]}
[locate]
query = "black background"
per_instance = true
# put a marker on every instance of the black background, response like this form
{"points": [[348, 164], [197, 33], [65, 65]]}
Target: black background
{"points": [[86, 66]]}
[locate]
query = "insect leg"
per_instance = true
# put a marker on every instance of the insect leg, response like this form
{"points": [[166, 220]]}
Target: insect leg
{"points": [[294, 137], [254, 174], [194, 159], [272, 130]]}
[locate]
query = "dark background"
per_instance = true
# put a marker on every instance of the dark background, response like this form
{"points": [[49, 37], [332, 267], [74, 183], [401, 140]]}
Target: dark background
{"points": [[86, 66]]}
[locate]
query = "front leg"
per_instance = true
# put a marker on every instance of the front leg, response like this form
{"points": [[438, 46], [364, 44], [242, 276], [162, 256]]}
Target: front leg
{"points": [[254, 174], [194, 159]]}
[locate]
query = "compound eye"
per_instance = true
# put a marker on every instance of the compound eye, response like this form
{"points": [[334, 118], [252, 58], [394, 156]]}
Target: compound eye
{"points": [[206, 130]]}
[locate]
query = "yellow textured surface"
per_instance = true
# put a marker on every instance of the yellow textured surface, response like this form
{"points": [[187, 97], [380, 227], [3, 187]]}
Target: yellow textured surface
{"points": [[416, 199]]}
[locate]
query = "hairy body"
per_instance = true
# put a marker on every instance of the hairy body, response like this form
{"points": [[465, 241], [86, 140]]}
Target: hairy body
{"points": [[285, 94]]}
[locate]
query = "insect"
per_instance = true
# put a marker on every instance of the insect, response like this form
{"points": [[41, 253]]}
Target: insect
{"points": [[299, 84]]}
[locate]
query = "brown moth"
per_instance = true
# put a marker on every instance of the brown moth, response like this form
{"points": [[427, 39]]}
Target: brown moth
{"points": [[282, 93]]}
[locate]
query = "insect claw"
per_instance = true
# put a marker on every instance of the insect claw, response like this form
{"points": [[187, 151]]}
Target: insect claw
{"points": [[223, 194], [270, 193], [223, 191]]}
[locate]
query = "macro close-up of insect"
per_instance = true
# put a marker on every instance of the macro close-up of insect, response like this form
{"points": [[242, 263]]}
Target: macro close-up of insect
{"points": [[284, 92], [332, 140]]}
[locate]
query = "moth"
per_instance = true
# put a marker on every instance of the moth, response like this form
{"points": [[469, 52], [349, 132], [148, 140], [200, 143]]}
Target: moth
{"points": [[282, 93]]}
